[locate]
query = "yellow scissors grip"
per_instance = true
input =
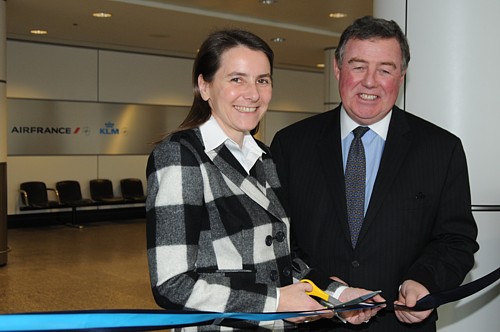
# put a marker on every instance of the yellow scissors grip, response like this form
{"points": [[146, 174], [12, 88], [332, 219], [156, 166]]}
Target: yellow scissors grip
{"points": [[316, 291]]}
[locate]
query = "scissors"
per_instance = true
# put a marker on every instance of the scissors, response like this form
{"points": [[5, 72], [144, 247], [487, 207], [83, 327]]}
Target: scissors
{"points": [[332, 303]]}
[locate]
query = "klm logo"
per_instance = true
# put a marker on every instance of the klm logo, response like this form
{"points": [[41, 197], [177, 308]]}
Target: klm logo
{"points": [[109, 129]]}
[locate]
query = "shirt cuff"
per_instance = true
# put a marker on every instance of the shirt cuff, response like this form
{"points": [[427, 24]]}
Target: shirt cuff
{"points": [[277, 298], [338, 291]]}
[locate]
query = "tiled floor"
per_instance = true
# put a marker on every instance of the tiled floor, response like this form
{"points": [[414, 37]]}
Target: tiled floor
{"points": [[51, 268]]}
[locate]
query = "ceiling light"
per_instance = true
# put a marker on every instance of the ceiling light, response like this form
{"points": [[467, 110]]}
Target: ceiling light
{"points": [[320, 65], [267, 2], [278, 40], [101, 15], [38, 32], [337, 15]]}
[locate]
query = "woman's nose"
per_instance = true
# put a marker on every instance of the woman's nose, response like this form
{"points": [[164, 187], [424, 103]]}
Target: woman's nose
{"points": [[252, 92]]}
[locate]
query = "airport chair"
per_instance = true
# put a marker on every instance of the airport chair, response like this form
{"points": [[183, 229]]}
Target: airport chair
{"points": [[34, 195], [132, 190], [101, 190], [70, 193]]}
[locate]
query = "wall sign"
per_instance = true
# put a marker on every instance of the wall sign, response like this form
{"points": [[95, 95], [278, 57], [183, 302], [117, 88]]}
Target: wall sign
{"points": [[38, 127]]}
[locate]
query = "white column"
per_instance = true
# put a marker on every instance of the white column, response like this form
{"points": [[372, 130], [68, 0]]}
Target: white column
{"points": [[452, 81], [393, 10], [332, 95], [3, 139]]}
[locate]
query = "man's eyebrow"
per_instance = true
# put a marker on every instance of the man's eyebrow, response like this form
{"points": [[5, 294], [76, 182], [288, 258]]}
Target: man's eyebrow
{"points": [[356, 60], [389, 63]]}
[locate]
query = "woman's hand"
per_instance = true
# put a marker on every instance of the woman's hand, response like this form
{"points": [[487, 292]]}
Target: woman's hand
{"points": [[294, 298]]}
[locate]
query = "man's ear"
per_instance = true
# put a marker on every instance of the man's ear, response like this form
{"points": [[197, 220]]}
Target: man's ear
{"points": [[336, 69], [403, 77]]}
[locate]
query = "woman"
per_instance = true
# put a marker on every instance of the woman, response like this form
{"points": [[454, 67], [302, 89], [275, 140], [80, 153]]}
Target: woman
{"points": [[217, 234]]}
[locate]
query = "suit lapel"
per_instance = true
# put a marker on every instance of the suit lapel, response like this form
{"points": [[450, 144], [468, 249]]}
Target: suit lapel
{"points": [[238, 179], [397, 145], [329, 150]]}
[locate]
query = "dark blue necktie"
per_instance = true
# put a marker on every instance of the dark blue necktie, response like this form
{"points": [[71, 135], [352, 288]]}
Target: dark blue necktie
{"points": [[355, 175]]}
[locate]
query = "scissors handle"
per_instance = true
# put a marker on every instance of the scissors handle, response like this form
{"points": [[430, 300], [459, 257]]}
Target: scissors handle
{"points": [[316, 291]]}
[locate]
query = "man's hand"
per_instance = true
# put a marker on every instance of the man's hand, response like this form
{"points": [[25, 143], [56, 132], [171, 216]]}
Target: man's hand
{"points": [[337, 279], [359, 316], [409, 293]]}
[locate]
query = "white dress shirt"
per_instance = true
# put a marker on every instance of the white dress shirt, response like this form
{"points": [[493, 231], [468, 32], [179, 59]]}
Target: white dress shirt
{"points": [[213, 136]]}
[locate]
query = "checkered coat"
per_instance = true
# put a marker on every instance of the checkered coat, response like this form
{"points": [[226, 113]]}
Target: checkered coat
{"points": [[215, 241]]}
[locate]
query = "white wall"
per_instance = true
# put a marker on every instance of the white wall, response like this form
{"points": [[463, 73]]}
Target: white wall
{"points": [[39, 71], [83, 74], [453, 81], [297, 91], [144, 79]]}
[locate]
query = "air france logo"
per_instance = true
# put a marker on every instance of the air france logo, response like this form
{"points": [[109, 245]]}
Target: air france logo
{"points": [[45, 130]]}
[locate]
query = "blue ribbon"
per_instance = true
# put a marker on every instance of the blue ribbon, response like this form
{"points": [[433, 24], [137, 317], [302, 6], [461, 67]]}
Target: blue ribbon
{"points": [[143, 320], [130, 320]]}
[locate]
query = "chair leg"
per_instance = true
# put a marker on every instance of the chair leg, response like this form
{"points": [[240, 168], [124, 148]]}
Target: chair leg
{"points": [[73, 219]]}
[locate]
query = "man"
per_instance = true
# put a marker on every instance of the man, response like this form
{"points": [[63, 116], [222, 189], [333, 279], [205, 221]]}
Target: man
{"points": [[417, 234]]}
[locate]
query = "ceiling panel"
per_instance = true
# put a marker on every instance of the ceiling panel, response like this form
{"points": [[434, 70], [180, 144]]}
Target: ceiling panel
{"points": [[177, 27]]}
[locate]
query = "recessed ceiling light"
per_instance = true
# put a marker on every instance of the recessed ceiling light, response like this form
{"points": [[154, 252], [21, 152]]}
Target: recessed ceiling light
{"points": [[320, 65], [38, 32], [268, 2], [101, 15], [278, 40], [337, 15]]}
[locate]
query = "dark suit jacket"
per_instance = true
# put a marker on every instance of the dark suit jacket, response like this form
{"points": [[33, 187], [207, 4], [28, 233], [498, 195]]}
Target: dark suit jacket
{"points": [[418, 224]]}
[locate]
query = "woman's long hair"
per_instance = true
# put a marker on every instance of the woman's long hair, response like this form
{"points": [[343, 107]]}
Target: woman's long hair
{"points": [[208, 61]]}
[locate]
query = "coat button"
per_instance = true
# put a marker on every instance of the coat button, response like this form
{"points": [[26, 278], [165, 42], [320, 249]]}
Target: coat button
{"points": [[269, 240], [280, 236], [287, 271], [355, 264], [274, 275]]}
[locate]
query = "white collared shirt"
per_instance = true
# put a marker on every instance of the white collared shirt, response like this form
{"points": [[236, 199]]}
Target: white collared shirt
{"points": [[347, 125], [373, 142], [213, 136]]}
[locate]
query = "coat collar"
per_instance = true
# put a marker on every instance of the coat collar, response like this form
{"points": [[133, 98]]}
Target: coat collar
{"points": [[238, 179], [397, 145]]}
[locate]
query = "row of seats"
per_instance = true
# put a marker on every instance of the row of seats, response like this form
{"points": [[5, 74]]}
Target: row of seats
{"points": [[34, 194]]}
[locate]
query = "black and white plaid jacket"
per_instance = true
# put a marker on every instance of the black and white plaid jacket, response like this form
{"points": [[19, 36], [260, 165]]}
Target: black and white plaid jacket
{"points": [[216, 242]]}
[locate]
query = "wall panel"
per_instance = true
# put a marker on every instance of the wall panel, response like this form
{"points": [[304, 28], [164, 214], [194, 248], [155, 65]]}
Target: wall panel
{"points": [[41, 71], [297, 91], [146, 79], [116, 168], [274, 121]]}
